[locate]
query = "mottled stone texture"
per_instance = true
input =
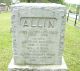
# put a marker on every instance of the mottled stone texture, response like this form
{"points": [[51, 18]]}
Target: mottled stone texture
{"points": [[13, 67], [38, 34]]}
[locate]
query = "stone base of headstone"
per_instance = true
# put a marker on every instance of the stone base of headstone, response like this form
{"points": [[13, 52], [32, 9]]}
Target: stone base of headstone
{"points": [[13, 67]]}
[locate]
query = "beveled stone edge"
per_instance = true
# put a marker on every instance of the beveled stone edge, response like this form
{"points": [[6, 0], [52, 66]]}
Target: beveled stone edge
{"points": [[38, 67]]}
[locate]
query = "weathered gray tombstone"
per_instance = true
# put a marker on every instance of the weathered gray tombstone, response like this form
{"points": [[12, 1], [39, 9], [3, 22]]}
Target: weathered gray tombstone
{"points": [[38, 37]]}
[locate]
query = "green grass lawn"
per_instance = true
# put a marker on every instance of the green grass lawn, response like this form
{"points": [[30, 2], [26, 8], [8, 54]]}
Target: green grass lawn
{"points": [[71, 51], [5, 41], [72, 48]]}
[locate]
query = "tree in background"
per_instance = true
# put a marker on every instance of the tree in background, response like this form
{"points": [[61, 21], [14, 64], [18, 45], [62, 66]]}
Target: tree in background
{"points": [[57, 1], [24, 0], [28, 1], [1, 1], [53, 1], [7, 2]]}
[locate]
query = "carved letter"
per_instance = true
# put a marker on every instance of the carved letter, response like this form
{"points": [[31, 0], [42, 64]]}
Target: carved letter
{"points": [[50, 24], [25, 22]]}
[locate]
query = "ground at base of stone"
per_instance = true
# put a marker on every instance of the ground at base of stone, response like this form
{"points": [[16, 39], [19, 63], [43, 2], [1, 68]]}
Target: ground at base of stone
{"points": [[13, 67]]}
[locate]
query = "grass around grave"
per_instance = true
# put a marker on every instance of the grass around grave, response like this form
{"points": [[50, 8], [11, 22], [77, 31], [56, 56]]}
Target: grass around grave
{"points": [[5, 41], [71, 50]]}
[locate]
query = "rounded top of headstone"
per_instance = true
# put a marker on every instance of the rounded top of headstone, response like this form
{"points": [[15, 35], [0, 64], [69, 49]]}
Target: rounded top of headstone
{"points": [[39, 5]]}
